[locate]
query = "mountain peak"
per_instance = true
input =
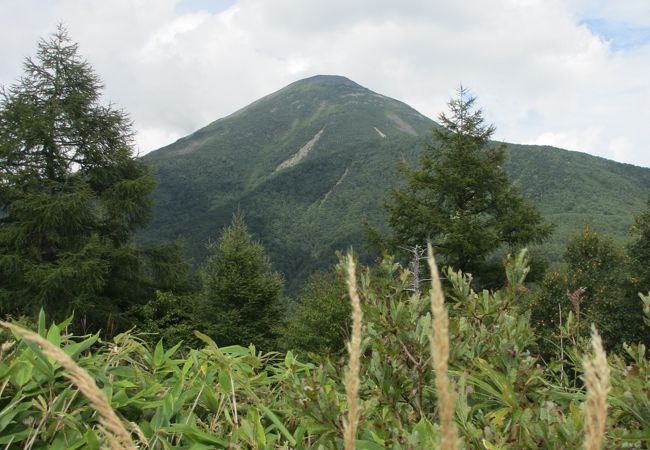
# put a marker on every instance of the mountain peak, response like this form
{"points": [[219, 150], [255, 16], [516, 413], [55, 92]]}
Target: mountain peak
{"points": [[326, 84], [328, 80]]}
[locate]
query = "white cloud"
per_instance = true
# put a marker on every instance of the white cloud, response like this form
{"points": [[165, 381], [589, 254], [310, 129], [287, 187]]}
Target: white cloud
{"points": [[152, 138], [569, 139], [540, 73]]}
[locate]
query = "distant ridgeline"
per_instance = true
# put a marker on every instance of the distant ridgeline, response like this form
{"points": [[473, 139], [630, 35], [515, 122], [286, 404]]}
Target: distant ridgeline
{"points": [[307, 163]]}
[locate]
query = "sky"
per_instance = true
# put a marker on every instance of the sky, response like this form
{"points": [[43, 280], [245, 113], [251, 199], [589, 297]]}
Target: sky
{"points": [[569, 73]]}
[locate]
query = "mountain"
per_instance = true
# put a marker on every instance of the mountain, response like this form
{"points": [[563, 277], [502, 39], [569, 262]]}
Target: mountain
{"points": [[307, 163]]}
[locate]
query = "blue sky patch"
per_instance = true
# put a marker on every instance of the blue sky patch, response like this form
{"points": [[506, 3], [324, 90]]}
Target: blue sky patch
{"points": [[620, 35]]}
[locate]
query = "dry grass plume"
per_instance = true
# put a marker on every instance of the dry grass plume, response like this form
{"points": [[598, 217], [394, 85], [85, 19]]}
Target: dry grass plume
{"points": [[596, 374], [439, 340], [354, 350], [116, 435]]}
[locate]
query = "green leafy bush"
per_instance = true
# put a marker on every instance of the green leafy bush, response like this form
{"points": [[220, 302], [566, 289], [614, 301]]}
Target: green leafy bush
{"points": [[321, 319], [235, 397], [595, 285]]}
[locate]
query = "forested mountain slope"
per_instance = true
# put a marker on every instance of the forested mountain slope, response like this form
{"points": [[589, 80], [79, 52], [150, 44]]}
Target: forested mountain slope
{"points": [[307, 163]]}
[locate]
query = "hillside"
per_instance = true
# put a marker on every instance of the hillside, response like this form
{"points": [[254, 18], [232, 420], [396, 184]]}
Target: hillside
{"points": [[307, 163], [574, 189]]}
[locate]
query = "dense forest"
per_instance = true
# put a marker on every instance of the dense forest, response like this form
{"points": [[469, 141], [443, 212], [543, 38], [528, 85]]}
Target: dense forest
{"points": [[445, 333]]}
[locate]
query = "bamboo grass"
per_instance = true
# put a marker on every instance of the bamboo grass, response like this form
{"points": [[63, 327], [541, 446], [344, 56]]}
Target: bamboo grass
{"points": [[116, 435]]}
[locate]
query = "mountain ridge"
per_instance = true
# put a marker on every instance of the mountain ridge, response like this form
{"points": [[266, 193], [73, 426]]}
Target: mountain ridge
{"points": [[308, 162]]}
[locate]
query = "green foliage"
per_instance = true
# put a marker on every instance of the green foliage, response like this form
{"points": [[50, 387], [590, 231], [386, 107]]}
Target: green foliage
{"points": [[460, 197], [594, 286], [173, 402], [231, 397], [72, 196], [639, 251], [321, 320], [171, 318], [240, 290]]}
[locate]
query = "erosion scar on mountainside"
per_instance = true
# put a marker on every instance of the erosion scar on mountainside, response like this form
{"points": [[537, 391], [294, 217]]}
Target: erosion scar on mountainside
{"points": [[340, 180], [300, 154], [191, 146], [401, 124]]}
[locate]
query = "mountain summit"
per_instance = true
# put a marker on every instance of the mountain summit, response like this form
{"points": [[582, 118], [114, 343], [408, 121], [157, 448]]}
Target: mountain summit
{"points": [[306, 163], [294, 161], [338, 81]]}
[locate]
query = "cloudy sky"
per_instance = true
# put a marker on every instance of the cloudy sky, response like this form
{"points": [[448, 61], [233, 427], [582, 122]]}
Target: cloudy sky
{"points": [[569, 73]]}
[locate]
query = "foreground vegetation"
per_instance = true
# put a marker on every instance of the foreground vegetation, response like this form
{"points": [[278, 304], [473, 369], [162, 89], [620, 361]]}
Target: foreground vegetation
{"points": [[234, 397]]}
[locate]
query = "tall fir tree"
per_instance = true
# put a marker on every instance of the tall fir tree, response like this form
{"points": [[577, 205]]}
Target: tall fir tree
{"points": [[72, 195], [241, 291], [460, 197]]}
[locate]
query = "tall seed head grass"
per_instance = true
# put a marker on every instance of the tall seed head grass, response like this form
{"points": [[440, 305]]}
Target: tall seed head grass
{"points": [[116, 435], [439, 340], [354, 350], [596, 373]]}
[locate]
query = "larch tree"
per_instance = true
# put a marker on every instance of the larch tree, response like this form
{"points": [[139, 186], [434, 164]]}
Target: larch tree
{"points": [[72, 194]]}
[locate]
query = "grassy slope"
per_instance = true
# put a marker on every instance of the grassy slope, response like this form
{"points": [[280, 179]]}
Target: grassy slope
{"points": [[231, 163]]}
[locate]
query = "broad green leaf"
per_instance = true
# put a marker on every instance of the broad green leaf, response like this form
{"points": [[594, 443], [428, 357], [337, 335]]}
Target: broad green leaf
{"points": [[21, 373], [168, 406], [278, 423], [14, 438], [368, 445], [260, 435], [197, 436], [225, 383], [7, 414], [210, 398], [73, 350], [41, 323], [158, 355], [205, 338], [54, 335]]}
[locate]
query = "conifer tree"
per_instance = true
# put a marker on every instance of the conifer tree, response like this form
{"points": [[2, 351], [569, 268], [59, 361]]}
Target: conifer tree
{"points": [[460, 197], [72, 194], [240, 289]]}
